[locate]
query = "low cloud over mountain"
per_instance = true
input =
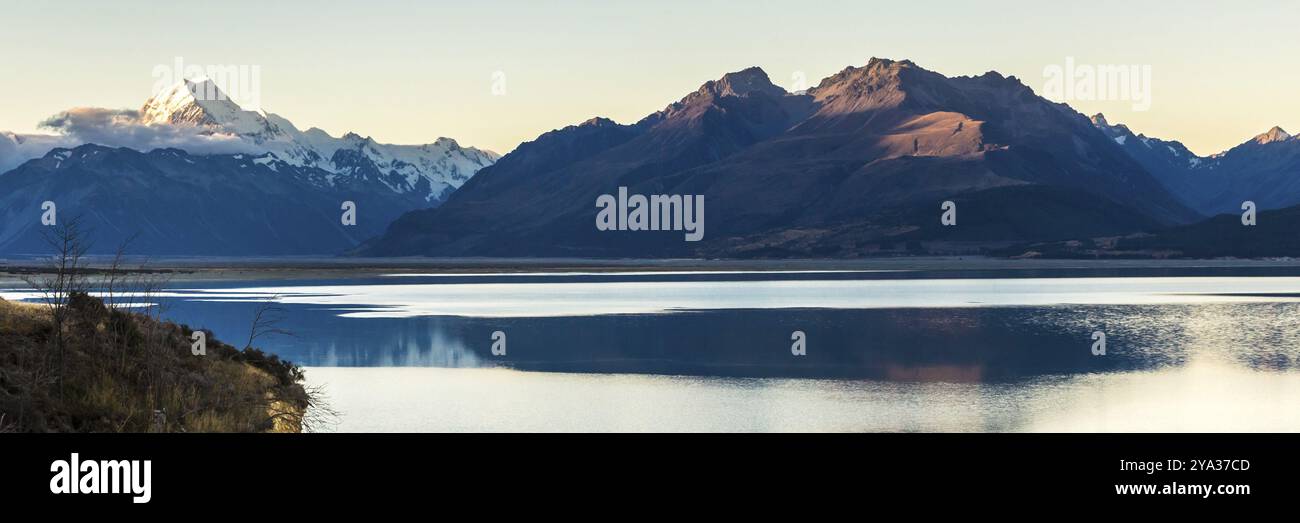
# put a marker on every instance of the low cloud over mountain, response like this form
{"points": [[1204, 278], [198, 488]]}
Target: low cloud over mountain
{"points": [[116, 128], [123, 128]]}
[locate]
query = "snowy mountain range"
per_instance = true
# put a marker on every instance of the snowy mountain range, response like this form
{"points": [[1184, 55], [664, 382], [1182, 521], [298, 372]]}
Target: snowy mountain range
{"points": [[851, 167], [193, 173], [431, 170], [1262, 169]]}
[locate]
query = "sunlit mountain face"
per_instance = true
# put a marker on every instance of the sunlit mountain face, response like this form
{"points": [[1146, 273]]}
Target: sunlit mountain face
{"points": [[857, 165]]}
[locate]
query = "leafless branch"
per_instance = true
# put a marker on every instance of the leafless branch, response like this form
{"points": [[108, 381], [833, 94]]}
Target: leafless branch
{"points": [[266, 320]]}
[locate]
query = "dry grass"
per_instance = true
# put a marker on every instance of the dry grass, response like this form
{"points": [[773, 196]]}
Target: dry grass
{"points": [[124, 372], [22, 318]]}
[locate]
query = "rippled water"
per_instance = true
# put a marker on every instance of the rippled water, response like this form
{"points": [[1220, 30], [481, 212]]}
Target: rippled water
{"points": [[711, 351]]}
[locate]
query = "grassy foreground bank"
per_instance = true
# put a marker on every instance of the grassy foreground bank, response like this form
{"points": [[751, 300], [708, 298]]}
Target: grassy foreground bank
{"points": [[109, 370]]}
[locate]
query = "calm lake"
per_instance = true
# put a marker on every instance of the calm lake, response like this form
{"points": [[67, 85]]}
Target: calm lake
{"points": [[712, 351]]}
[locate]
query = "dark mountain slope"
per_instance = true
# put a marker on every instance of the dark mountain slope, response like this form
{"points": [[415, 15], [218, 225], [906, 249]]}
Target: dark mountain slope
{"points": [[838, 168], [1264, 169], [182, 204]]}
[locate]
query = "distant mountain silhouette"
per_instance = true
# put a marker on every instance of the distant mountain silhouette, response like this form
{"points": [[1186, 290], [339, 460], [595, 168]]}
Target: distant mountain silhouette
{"points": [[857, 165], [1264, 169], [176, 203]]}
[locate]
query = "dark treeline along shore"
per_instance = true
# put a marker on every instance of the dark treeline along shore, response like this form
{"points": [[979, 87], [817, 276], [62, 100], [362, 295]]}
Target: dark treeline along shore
{"points": [[360, 270]]}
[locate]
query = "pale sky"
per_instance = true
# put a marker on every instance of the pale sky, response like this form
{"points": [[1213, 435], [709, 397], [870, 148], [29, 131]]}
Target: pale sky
{"points": [[409, 72]]}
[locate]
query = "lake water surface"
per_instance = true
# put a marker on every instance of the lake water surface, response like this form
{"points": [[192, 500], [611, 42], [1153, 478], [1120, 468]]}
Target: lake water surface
{"points": [[711, 351]]}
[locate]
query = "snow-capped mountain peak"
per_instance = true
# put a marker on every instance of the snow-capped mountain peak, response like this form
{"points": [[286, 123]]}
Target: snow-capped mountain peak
{"points": [[201, 102]]}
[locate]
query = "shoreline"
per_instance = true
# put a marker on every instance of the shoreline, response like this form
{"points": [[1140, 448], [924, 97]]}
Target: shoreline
{"points": [[296, 268]]}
